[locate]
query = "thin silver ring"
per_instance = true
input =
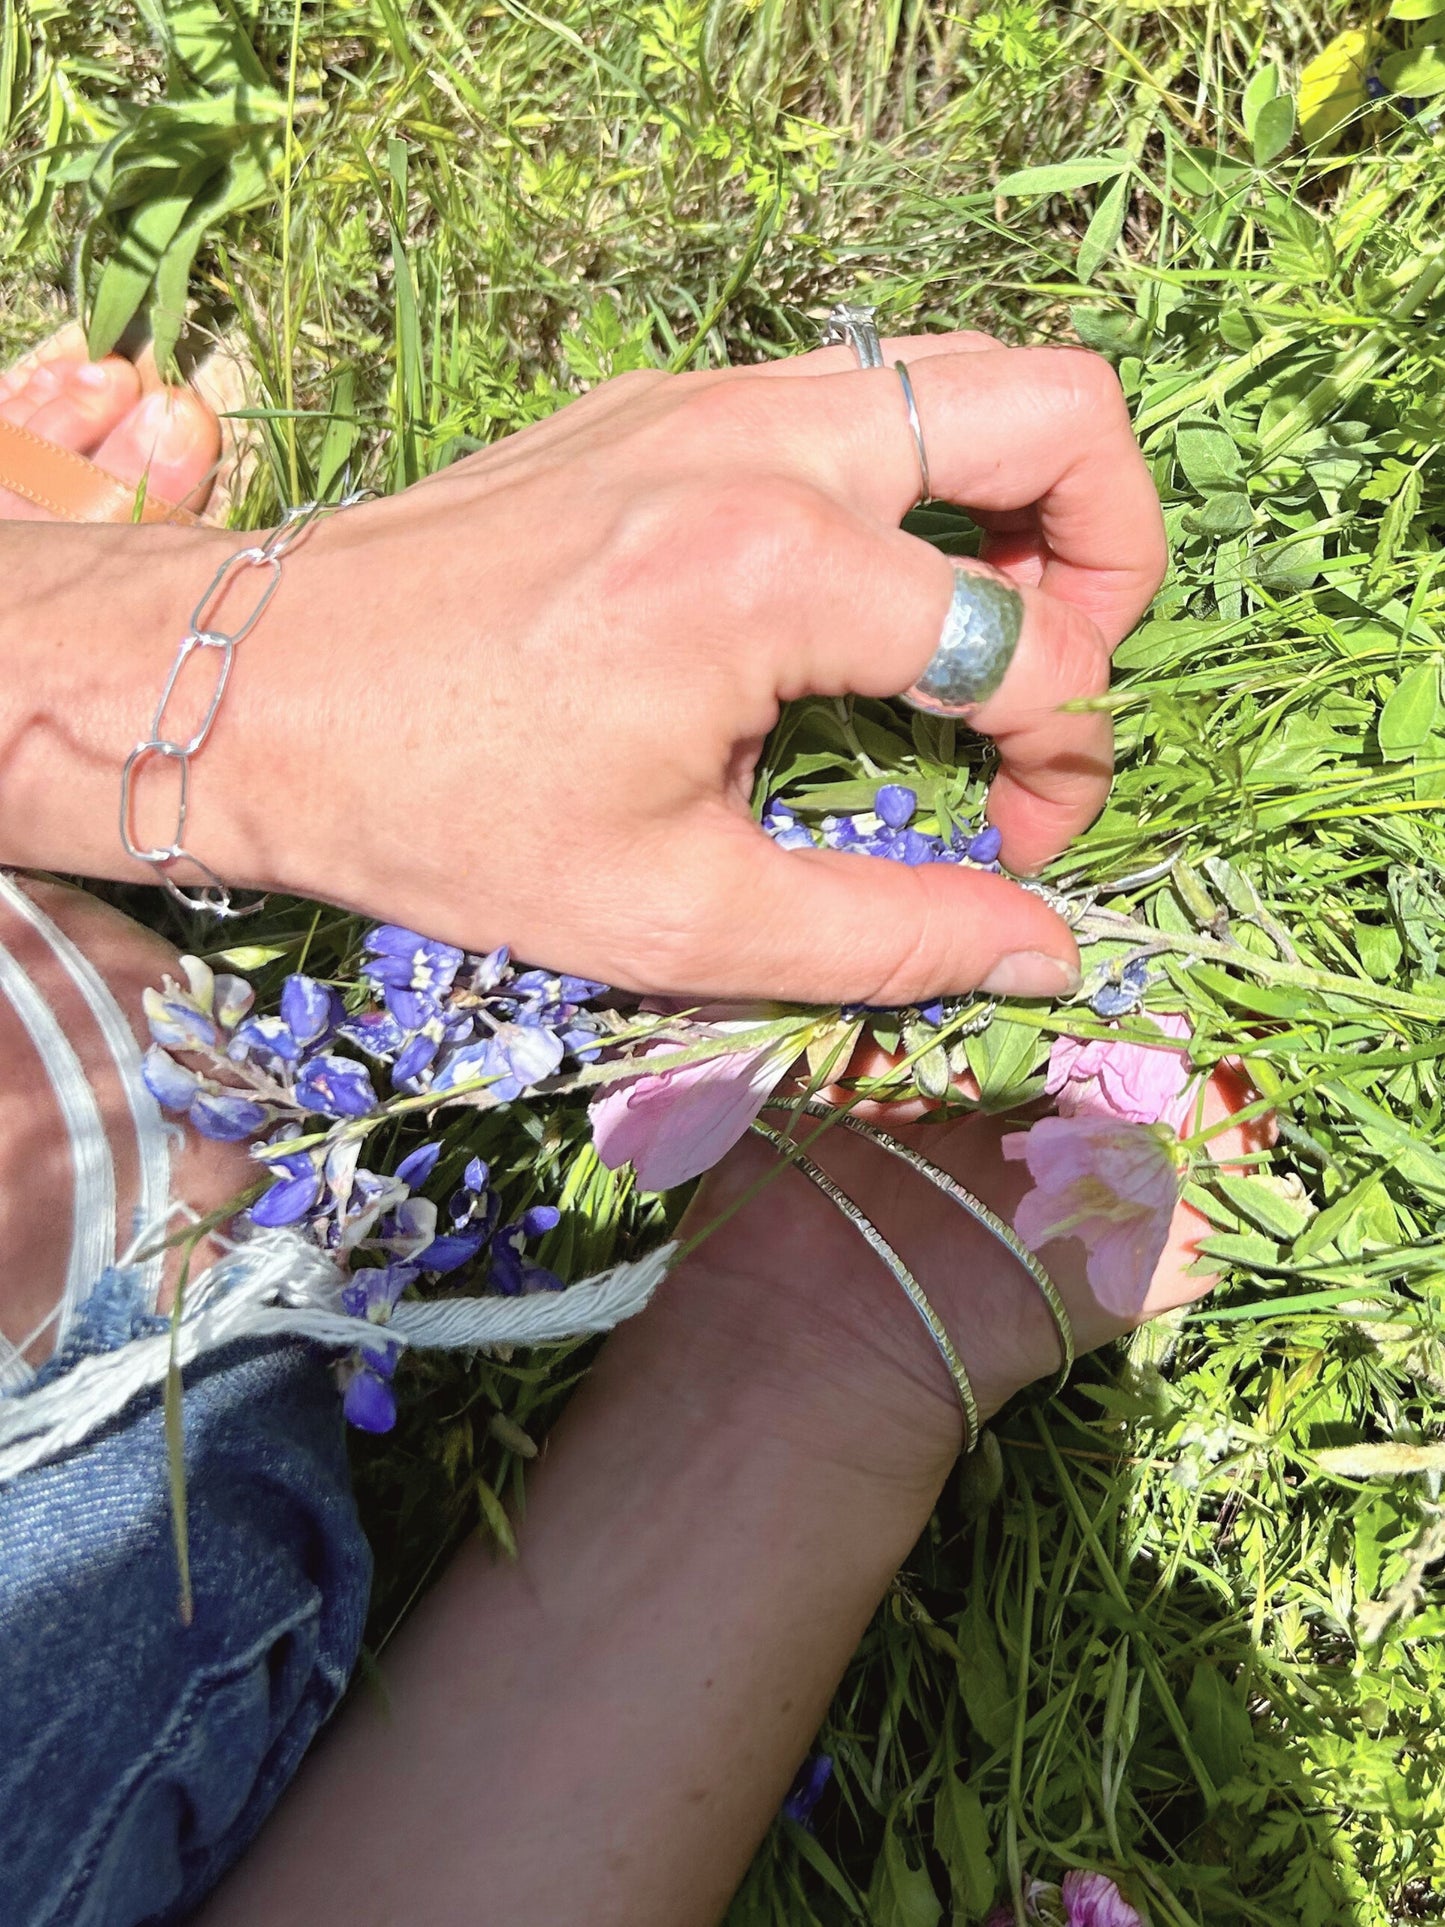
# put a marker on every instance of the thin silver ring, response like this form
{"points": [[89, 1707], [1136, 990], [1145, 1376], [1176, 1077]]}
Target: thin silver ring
{"points": [[917, 426], [853, 322]]}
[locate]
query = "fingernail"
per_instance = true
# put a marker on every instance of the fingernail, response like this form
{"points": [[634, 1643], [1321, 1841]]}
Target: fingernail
{"points": [[1031, 973], [91, 374]]}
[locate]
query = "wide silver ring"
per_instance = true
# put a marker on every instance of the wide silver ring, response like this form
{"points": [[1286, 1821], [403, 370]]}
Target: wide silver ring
{"points": [[980, 635]]}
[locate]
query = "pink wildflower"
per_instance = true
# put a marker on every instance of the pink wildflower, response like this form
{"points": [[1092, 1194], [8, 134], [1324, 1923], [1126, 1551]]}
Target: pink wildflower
{"points": [[1085, 1900], [1092, 1900], [672, 1125], [1112, 1077], [1110, 1184]]}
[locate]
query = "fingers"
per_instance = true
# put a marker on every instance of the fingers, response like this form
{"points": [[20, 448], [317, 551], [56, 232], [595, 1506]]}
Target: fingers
{"points": [[818, 926], [1054, 765], [1006, 429]]}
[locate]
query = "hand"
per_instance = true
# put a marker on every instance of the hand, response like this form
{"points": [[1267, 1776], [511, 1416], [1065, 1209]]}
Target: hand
{"points": [[831, 1308], [523, 700]]}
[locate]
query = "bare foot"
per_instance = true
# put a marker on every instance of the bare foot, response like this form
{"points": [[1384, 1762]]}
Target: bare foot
{"points": [[99, 409]]}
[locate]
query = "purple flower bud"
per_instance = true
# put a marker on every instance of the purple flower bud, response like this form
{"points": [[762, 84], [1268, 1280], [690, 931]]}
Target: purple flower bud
{"points": [[807, 1789], [168, 1082], [540, 1219], [424, 964], [794, 837], [913, 847], [335, 1086], [411, 1008], [232, 998], [381, 1359], [227, 1117], [417, 1166], [1115, 1000], [375, 1031], [932, 1013], [292, 1196], [895, 805], [414, 1060], [370, 1403], [268, 1039], [175, 1022], [306, 1008], [489, 971], [450, 1251], [1136, 971], [475, 1177], [984, 847], [531, 1052]]}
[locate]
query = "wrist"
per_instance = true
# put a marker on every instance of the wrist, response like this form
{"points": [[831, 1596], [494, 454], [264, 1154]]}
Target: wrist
{"points": [[89, 631]]}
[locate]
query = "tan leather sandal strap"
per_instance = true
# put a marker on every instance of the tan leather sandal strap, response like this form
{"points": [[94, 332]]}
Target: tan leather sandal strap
{"points": [[71, 488]]}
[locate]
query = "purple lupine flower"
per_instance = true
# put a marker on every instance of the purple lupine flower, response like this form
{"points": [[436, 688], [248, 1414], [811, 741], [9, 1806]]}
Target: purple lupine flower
{"points": [[984, 847], [450, 1250], [809, 1783], [227, 1116], [269, 1040], [294, 1193], [309, 1009], [538, 1219], [176, 1021], [932, 1013], [894, 805], [371, 1293], [169, 1083], [411, 1008], [417, 1166], [414, 1060], [335, 1086], [369, 1402], [375, 1031], [489, 971], [408, 960]]}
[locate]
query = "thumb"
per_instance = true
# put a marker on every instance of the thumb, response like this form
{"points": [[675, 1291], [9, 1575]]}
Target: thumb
{"points": [[827, 927]]}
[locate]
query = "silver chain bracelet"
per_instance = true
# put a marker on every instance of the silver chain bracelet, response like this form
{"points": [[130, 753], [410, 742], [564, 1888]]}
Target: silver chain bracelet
{"points": [[212, 896]]}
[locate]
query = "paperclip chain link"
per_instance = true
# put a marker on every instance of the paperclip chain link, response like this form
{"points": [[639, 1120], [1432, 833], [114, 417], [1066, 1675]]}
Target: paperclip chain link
{"points": [[219, 645]]}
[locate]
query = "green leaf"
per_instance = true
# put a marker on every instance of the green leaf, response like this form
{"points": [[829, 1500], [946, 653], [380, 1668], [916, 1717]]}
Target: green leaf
{"points": [[1002, 1059], [1265, 1202], [900, 1894], [1106, 225], [1063, 177], [1262, 89], [1417, 9], [960, 1839], [127, 276], [1219, 1723], [1273, 130], [1207, 454], [1420, 70], [983, 1678], [1411, 713]]}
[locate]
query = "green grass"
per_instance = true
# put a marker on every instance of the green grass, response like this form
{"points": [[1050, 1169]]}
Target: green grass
{"points": [[1184, 1623]]}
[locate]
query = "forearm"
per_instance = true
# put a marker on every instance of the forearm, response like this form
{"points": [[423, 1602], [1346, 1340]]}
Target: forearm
{"points": [[603, 1731], [89, 623]]}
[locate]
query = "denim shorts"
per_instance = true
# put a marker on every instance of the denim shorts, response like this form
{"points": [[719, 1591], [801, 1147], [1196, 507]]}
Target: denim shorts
{"points": [[139, 1755]]}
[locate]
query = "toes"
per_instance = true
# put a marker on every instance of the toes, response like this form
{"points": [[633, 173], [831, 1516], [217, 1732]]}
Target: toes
{"points": [[75, 405], [172, 439], [66, 344]]}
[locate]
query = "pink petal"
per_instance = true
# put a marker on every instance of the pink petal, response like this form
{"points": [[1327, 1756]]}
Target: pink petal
{"points": [[1093, 1900], [1113, 1077], [672, 1125]]}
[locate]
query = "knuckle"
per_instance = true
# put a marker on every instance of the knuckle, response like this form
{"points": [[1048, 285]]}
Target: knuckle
{"points": [[1087, 383], [756, 535]]}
